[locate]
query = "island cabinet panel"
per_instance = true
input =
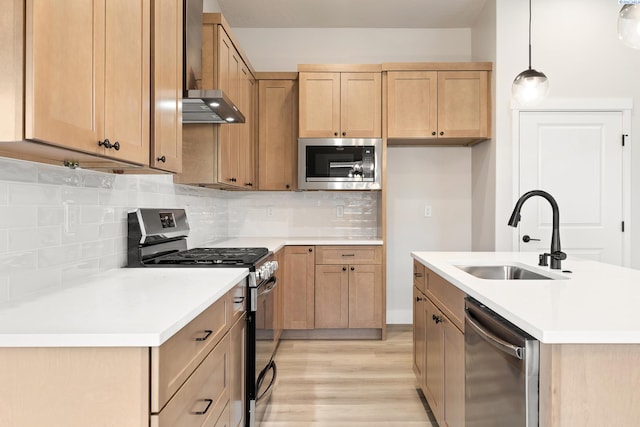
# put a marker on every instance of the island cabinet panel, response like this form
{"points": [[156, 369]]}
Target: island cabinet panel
{"points": [[88, 76], [589, 385], [438, 345], [299, 287]]}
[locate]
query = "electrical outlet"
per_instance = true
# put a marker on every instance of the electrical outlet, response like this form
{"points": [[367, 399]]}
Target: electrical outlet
{"points": [[339, 211], [427, 211], [269, 211]]}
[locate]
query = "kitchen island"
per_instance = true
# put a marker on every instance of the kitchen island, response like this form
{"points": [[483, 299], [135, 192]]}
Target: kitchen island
{"points": [[586, 320]]}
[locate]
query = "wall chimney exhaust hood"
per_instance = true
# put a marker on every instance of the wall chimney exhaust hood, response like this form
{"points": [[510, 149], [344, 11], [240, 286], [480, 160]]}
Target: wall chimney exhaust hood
{"points": [[201, 105]]}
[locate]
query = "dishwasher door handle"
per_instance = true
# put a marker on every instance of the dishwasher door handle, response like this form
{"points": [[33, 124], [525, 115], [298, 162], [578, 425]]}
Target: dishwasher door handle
{"points": [[500, 344]]}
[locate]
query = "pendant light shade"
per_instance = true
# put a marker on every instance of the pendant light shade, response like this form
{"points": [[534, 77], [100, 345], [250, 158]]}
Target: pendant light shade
{"points": [[629, 25], [530, 87]]}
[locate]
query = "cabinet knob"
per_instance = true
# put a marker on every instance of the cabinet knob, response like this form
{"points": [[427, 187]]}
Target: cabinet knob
{"points": [[433, 133], [249, 184], [441, 133], [335, 134], [418, 299], [162, 159], [344, 268], [417, 274], [287, 186], [106, 143], [116, 146], [344, 134], [310, 249], [353, 268], [232, 179], [436, 319]]}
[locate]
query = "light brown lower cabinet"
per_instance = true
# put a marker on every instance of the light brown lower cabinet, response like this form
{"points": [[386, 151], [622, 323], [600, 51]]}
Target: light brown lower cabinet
{"points": [[196, 378], [438, 347], [299, 267]]}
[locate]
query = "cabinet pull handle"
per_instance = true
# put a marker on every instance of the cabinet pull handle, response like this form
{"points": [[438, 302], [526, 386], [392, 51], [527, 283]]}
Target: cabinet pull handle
{"points": [[436, 319], [348, 254], [116, 145], [106, 143], [418, 299], [162, 159], [207, 334], [249, 184], [206, 409], [417, 274]]}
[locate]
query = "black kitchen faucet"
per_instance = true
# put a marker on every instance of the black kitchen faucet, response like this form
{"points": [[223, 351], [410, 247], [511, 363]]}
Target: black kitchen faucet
{"points": [[555, 254]]}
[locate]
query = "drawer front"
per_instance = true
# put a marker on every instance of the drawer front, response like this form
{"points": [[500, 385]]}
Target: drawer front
{"points": [[447, 297], [419, 276], [175, 360], [203, 398], [348, 255]]}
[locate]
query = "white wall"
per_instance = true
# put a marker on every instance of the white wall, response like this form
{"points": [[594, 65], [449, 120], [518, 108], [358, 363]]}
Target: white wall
{"points": [[282, 49], [418, 177], [575, 44], [483, 191]]}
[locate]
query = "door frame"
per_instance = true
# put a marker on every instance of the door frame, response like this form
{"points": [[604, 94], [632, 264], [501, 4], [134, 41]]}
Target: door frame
{"points": [[622, 105]]}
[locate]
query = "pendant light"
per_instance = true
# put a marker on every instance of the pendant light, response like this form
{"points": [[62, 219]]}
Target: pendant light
{"points": [[629, 25], [529, 87]]}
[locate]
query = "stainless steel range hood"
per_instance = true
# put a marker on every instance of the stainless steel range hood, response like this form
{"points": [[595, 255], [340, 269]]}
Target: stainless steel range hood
{"points": [[201, 105]]}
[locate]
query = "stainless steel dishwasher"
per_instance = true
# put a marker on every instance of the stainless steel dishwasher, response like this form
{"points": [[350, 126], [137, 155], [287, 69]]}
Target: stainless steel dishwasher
{"points": [[501, 371]]}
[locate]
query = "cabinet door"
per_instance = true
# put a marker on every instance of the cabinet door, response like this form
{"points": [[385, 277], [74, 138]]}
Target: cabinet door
{"points": [[319, 105], [279, 290], [127, 73], [277, 134], [65, 69], [361, 105], [166, 141], [412, 104], [365, 296], [237, 357], [332, 296], [246, 173], [12, 70], [419, 326], [454, 375], [434, 360], [463, 104], [299, 286]]}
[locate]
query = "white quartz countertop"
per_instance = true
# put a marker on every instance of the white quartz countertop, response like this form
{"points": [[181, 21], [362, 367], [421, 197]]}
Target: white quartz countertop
{"points": [[595, 303], [125, 307], [276, 243]]}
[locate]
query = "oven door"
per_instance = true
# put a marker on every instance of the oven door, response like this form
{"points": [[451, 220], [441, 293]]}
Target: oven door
{"points": [[265, 342]]}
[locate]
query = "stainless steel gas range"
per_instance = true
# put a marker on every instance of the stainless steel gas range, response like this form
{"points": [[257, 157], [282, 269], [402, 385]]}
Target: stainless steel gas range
{"points": [[158, 238]]}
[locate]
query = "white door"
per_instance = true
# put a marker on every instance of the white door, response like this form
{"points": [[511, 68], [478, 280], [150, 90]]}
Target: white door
{"points": [[577, 158]]}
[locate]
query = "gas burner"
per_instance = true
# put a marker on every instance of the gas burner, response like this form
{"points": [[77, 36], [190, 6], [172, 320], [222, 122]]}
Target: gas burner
{"points": [[215, 257]]}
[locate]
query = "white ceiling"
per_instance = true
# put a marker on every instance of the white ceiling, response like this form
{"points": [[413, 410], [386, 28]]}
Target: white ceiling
{"points": [[351, 13]]}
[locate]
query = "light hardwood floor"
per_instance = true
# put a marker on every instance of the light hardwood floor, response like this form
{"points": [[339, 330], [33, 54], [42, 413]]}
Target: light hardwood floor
{"points": [[348, 384]]}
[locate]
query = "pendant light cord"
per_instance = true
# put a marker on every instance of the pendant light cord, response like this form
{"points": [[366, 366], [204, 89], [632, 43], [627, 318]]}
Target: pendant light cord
{"points": [[529, 34]]}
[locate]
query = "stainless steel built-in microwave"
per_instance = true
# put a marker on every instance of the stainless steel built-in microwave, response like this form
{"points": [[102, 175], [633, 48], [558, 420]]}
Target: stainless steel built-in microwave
{"points": [[339, 163]]}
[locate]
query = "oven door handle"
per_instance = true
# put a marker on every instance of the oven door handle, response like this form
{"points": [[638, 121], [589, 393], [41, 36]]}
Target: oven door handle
{"points": [[500, 344], [268, 286], [271, 366]]}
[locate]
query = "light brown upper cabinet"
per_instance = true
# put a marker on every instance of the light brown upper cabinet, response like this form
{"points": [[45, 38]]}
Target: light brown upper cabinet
{"points": [[87, 68], [166, 80], [439, 106], [223, 155], [340, 104], [277, 130], [11, 70]]}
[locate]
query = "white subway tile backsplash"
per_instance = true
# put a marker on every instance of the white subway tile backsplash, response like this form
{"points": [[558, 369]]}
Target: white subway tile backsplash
{"points": [[16, 170], [18, 216], [35, 195], [21, 239], [59, 225]]}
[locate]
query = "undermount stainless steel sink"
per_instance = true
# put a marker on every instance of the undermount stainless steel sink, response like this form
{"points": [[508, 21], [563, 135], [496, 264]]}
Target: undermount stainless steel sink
{"points": [[503, 272]]}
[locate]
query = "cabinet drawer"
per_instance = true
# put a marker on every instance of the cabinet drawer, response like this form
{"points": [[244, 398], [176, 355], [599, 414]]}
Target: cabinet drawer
{"points": [[175, 360], [419, 276], [447, 297], [204, 397], [348, 254]]}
